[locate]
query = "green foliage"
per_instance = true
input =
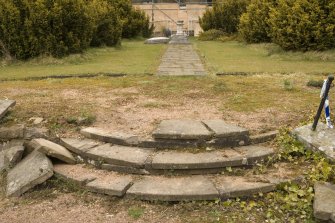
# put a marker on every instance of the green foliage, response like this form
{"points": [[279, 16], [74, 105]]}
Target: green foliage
{"points": [[254, 27], [136, 212], [224, 16], [212, 34], [303, 24]]}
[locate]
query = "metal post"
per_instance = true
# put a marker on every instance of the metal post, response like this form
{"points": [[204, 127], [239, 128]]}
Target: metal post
{"points": [[322, 103]]}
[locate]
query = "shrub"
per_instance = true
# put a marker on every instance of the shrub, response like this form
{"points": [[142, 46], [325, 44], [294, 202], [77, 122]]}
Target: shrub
{"points": [[254, 27], [212, 34], [303, 24], [224, 16]]}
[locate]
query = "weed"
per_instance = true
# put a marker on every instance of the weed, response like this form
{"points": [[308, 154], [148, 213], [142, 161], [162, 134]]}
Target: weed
{"points": [[288, 85], [136, 212]]}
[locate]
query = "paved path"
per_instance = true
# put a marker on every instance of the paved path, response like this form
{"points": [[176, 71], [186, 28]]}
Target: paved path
{"points": [[180, 59]]}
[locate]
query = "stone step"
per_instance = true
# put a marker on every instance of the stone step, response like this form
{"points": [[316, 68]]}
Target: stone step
{"points": [[5, 105], [175, 188], [146, 161]]}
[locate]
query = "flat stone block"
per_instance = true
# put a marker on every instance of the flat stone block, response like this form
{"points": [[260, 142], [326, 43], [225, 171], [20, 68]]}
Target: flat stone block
{"points": [[78, 146], [5, 105], [114, 186], [221, 129], [10, 157], [322, 139], [181, 129], [14, 132], [231, 187], [31, 133], [173, 189], [255, 153], [75, 173], [204, 160], [170, 143], [31, 171], [120, 155], [115, 137], [324, 201], [54, 150]]}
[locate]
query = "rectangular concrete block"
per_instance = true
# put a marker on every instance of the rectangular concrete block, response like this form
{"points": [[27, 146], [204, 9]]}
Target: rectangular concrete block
{"points": [[114, 186]]}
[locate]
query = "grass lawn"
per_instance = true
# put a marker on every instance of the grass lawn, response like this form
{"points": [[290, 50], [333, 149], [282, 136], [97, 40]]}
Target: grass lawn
{"points": [[133, 57], [233, 56]]}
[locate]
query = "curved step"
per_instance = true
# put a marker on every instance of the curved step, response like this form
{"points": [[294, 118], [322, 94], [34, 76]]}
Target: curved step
{"points": [[149, 161], [174, 188]]}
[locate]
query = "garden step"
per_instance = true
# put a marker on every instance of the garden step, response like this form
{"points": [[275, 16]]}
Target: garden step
{"points": [[5, 105], [175, 188]]}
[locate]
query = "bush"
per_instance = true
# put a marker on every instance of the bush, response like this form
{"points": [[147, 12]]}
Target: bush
{"points": [[254, 27], [212, 34], [224, 16], [303, 24]]}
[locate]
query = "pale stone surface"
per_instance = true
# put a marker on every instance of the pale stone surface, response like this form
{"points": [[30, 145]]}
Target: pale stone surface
{"points": [[181, 129], [4, 106], [75, 173], [157, 40], [54, 150], [110, 185], [36, 120], [255, 153], [168, 143], [124, 169], [323, 139], [79, 146], [174, 189], [221, 129], [115, 137], [30, 133], [14, 132], [120, 155], [10, 157], [324, 201], [35, 169], [203, 160], [230, 187]]}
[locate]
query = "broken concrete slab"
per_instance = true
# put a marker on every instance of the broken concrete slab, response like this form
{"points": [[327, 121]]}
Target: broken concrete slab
{"points": [[255, 154], [11, 157], [13, 132], [324, 201], [54, 150], [109, 137], [221, 129], [111, 185], [79, 146], [31, 133], [186, 160], [35, 169], [119, 155], [77, 174], [322, 139], [173, 189], [231, 187], [181, 129], [5, 105]]}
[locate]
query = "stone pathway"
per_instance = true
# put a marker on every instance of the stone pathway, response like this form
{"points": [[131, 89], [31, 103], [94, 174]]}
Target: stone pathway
{"points": [[180, 59]]}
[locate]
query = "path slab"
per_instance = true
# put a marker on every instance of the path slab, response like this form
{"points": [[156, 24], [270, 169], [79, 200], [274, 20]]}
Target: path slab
{"points": [[79, 146], [186, 160], [173, 189], [118, 138], [221, 129], [5, 105], [255, 154], [231, 187], [75, 173], [110, 185], [324, 201], [323, 139], [181, 129], [31, 171], [54, 150], [120, 155]]}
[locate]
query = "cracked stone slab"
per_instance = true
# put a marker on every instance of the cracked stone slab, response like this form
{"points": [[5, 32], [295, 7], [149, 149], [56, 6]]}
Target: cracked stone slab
{"points": [[221, 129], [10, 157], [36, 132], [78, 146], [74, 173], [181, 129], [231, 187], [110, 185], [255, 154], [13, 132], [119, 155], [105, 136], [322, 139], [203, 160], [173, 189], [5, 105], [35, 169], [324, 201], [54, 150]]}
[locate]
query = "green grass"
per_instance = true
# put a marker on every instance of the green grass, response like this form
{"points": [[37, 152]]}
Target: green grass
{"points": [[133, 57], [234, 57]]}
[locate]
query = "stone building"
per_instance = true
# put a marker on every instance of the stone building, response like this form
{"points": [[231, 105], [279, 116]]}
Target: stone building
{"points": [[165, 14]]}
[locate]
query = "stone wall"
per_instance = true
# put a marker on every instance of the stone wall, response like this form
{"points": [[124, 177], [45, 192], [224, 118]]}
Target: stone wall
{"points": [[166, 14]]}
